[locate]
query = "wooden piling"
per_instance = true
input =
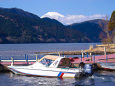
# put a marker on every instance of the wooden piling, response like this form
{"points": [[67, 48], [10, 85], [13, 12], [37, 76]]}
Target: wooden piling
{"points": [[81, 57], [94, 59], [36, 58], [82, 53], [0, 59], [12, 63], [91, 56], [59, 53], [27, 59]]}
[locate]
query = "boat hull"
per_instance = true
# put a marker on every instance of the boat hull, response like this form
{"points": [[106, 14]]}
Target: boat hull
{"points": [[60, 73], [107, 66]]}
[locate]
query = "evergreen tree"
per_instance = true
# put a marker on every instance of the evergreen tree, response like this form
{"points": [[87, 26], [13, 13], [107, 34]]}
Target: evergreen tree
{"points": [[111, 27]]}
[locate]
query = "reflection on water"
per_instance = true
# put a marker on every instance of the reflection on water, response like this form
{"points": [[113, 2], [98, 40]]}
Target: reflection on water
{"points": [[87, 81], [100, 78], [16, 80]]}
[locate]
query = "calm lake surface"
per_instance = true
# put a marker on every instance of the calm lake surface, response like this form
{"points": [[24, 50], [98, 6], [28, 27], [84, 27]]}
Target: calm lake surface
{"points": [[18, 51]]}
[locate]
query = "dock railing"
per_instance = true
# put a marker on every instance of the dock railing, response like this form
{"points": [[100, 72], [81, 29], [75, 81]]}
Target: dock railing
{"points": [[18, 60]]}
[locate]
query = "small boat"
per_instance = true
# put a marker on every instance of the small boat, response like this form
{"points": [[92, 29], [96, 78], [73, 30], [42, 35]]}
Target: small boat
{"points": [[107, 66], [52, 66]]}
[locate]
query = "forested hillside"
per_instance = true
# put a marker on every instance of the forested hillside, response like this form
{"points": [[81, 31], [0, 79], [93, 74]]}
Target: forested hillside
{"points": [[18, 26]]}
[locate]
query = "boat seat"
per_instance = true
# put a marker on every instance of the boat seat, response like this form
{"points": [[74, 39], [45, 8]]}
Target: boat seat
{"points": [[65, 63]]}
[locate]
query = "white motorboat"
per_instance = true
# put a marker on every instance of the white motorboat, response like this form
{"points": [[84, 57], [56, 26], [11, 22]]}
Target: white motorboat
{"points": [[107, 66], [51, 66]]}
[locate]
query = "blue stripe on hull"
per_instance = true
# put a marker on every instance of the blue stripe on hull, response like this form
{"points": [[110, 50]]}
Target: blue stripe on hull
{"points": [[59, 74]]}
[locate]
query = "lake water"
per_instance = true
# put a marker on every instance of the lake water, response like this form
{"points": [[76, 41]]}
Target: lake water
{"points": [[100, 78], [18, 51]]}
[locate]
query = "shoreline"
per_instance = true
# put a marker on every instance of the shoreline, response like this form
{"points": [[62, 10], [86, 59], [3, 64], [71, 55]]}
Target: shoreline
{"points": [[98, 50]]}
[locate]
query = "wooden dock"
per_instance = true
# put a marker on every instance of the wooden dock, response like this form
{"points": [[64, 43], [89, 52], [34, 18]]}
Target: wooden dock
{"points": [[96, 59], [16, 62], [91, 59], [5, 63]]}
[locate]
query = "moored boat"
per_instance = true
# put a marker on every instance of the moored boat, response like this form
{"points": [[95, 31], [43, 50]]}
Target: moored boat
{"points": [[107, 66], [52, 66]]}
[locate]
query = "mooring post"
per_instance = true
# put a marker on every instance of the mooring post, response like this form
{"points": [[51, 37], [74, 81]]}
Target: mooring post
{"points": [[0, 59], [104, 50], [82, 53], [36, 58], [94, 59], [105, 53], [106, 58], [59, 53], [91, 56], [87, 54], [81, 57], [12, 63], [27, 59]]}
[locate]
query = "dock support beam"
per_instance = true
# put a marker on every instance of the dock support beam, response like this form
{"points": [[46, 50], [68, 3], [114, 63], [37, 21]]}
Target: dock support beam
{"points": [[0, 59], [91, 56], [12, 63], [106, 59], [59, 53], [27, 59], [87, 54], [81, 58], [82, 53], [36, 58], [94, 59], [105, 53]]}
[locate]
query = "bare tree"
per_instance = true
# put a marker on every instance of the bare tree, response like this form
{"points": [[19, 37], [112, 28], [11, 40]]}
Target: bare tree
{"points": [[106, 38]]}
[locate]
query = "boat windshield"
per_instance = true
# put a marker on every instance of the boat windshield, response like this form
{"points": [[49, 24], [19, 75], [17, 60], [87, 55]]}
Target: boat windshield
{"points": [[46, 62]]}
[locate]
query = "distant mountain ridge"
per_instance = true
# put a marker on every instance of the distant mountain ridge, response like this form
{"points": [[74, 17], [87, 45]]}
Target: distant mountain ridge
{"points": [[18, 26], [92, 29], [70, 19]]}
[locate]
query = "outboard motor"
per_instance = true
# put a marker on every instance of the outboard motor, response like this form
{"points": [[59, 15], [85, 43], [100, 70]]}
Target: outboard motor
{"points": [[88, 69]]}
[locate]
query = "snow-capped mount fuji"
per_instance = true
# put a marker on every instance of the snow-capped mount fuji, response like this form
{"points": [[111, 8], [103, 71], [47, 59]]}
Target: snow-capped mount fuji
{"points": [[53, 15]]}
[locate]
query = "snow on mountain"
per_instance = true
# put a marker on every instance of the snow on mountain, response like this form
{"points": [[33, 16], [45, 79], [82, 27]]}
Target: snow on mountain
{"points": [[53, 15], [70, 19]]}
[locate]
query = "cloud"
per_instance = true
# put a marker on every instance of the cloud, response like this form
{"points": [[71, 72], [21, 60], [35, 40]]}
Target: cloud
{"points": [[70, 19]]}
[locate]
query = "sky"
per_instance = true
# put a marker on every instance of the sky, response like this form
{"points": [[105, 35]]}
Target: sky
{"points": [[70, 9]]}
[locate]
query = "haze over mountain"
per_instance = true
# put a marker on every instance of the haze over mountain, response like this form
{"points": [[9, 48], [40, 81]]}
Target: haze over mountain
{"points": [[18, 26], [70, 19]]}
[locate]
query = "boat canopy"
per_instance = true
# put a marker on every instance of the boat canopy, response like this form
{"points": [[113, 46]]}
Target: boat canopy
{"points": [[55, 61], [50, 57]]}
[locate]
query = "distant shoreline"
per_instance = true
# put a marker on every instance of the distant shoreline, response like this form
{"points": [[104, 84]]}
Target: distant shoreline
{"points": [[98, 50]]}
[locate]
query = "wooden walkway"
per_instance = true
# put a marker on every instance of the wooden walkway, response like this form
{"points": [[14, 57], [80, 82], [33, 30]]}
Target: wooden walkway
{"points": [[95, 59], [17, 62]]}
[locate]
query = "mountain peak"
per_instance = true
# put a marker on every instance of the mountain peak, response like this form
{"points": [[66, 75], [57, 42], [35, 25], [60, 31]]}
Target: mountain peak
{"points": [[53, 15]]}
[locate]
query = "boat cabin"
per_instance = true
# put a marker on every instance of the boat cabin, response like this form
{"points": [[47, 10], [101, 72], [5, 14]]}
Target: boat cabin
{"points": [[56, 61]]}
